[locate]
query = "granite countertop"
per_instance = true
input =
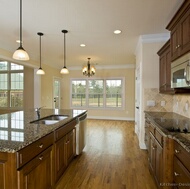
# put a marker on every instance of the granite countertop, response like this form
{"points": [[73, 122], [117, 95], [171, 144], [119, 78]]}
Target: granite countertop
{"points": [[16, 131], [166, 122]]}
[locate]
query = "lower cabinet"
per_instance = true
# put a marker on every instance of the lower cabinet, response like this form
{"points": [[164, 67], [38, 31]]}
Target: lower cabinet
{"points": [[64, 153], [37, 174], [160, 156], [155, 159], [65, 149], [181, 167]]}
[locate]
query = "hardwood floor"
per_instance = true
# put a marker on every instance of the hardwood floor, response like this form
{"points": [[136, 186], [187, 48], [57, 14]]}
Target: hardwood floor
{"points": [[111, 160]]}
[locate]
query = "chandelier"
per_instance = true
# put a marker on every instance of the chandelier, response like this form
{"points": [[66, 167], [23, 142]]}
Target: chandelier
{"points": [[88, 70]]}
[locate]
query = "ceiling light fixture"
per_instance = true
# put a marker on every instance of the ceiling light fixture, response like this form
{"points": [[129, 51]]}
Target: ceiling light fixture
{"points": [[88, 70], [64, 70], [82, 45], [40, 70], [20, 53], [117, 31]]}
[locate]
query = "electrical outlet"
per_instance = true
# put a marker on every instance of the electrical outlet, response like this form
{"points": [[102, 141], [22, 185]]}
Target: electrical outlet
{"points": [[186, 106], [163, 103]]}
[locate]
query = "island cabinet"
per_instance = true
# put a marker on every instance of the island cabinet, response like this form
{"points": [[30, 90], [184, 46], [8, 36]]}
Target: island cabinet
{"points": [[65, 148], [181, 171], [165, 69], [160, 156], [35, 164], [180, 29]]}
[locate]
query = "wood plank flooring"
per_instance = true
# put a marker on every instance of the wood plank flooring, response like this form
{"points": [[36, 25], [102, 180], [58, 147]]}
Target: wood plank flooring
{"points": [[111, 160]]}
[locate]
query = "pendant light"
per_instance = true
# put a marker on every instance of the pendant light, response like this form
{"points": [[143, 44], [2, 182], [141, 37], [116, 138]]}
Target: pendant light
{"points": [[88, 70], [20, 53], [64, 70], [40, 70]]}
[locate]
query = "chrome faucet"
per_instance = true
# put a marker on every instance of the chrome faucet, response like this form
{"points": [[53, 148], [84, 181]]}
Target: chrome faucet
{"points": [[37, 110]]}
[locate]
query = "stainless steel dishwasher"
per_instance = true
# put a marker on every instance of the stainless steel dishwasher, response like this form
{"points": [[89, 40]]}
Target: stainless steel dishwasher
{"points": [[81, 133]]}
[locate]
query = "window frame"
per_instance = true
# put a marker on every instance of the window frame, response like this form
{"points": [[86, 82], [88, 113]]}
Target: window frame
{"points": [[123, 93], [9, 72]]}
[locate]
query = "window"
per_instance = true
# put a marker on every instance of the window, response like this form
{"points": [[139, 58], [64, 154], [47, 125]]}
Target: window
{"points": [[11, 85], [97, 93]]}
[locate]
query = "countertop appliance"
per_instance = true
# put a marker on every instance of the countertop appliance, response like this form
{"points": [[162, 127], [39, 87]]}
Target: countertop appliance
{"points": [[180, 72], [81, 133]]}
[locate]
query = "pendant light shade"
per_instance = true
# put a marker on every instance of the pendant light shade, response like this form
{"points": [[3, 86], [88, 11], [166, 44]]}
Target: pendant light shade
{"points": [[40, 70], [64, 70], [88, 70], [20, 53]]}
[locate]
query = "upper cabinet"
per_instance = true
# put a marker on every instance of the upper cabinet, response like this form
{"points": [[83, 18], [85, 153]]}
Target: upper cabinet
{"points": [[165, 69], [180, 31]]}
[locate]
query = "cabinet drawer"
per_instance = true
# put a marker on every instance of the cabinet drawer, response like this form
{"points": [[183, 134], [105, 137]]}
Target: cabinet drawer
{"points": [[182, 155], [181, 174], [159, 137], [61, 132], [29, 152]]}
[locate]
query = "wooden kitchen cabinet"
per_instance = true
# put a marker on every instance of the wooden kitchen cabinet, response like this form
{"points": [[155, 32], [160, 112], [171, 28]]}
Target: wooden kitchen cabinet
{"points": [[155, 158], [160, 156], [180, 29], [181, 167], [38, 172], [35, 164], [165, 69], [65, 148]]}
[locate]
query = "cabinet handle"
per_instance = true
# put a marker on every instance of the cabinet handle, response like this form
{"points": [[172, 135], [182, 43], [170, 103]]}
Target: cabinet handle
{"points": [[41, 146], [178, 46], [176, 174], [177, 151], [153, 147], [41, 158]]}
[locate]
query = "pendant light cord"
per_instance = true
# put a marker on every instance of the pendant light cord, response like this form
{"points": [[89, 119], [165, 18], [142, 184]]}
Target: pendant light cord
{"points": [[21, 23], [64, 50], [40, 52]]}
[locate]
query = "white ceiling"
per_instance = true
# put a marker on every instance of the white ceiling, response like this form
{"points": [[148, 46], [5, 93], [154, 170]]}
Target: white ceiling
{"points": [[88, 21]]}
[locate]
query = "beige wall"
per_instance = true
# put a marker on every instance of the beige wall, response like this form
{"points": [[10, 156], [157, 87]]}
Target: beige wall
{"points": [[127, 73]]}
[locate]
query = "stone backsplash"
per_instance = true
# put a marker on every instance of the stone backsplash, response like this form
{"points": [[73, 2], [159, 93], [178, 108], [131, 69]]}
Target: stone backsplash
{"points": [[164, 102]]}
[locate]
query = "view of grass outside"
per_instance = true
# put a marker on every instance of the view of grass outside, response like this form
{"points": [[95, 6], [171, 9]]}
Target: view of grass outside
{"points": [[11, 84], [97, 93]]}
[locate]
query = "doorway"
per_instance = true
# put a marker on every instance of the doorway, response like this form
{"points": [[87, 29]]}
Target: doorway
{"points": [[56, 93]]}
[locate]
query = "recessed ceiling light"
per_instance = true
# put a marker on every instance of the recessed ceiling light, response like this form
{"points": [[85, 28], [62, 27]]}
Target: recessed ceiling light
{"points": [[82, 45], [117, 31]]}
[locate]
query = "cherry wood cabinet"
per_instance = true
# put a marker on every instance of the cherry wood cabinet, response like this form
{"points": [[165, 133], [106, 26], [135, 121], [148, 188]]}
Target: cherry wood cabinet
{"points": [[180, 31], [181, 167], [65, 148], [165, 69], [160, 156], [38, 173]]}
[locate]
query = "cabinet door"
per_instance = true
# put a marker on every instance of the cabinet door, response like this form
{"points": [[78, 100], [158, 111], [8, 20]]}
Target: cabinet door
{"points": [[175, 42], [70, 146], [60, 157], [185, 33], [151, 153], [158, 162], [37, 174], [162, 73]]}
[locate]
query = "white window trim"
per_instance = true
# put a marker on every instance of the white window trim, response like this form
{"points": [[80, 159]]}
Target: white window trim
{"points": [[104, 106]]}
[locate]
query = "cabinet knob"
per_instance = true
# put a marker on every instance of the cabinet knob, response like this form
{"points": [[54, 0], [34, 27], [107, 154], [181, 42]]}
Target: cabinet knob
{"points": [[41, 158], [41, 146], [177, 151], [176, 174]]}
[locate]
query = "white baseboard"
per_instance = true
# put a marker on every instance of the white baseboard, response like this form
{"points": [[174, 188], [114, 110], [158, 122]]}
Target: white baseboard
{"points": [[142, 146], [111, 118]]}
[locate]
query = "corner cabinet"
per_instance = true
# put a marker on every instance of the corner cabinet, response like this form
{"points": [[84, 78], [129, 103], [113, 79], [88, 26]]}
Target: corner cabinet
{"points": [[165, 69], [180, 29]]}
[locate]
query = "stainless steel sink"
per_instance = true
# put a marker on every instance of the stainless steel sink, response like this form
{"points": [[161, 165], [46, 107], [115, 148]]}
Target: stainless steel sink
{"points": [[49, 120]]}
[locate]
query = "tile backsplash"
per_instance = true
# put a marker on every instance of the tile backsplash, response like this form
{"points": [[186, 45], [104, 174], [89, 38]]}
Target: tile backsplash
{"points": [[164, 102]]}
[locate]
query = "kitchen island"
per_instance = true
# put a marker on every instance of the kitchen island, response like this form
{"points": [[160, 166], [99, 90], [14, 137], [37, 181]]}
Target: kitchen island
{"points": [[35, 155]]}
